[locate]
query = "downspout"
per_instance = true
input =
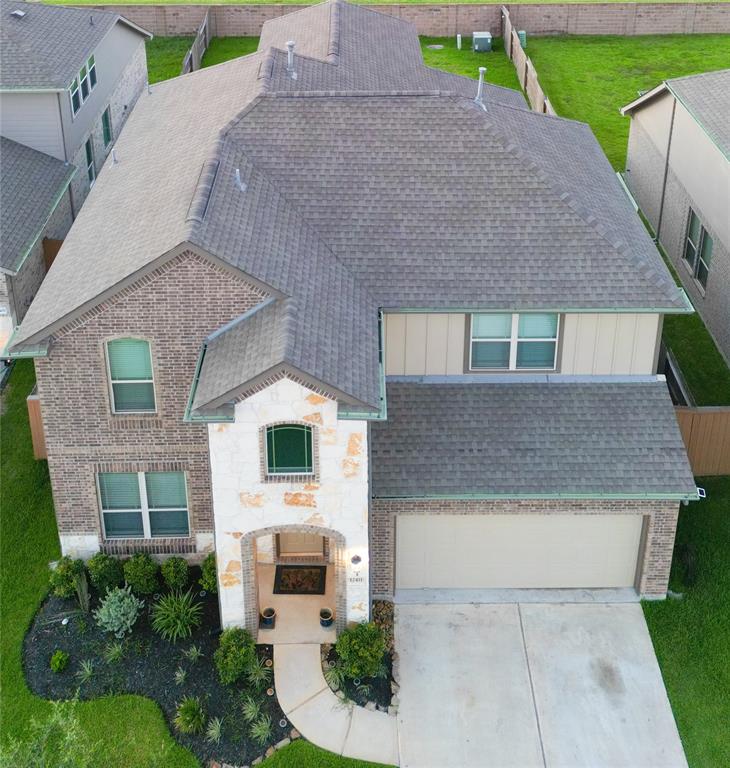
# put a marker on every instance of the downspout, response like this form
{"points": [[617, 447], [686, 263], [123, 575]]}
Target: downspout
{"points": [[666, 173]]}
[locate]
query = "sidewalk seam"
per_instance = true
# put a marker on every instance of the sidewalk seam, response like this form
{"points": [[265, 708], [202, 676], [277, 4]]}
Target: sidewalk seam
{"points": [[532, 687]]}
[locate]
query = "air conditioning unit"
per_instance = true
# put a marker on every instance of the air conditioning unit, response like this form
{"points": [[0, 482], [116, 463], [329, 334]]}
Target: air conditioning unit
{"points": [[481, 42]]}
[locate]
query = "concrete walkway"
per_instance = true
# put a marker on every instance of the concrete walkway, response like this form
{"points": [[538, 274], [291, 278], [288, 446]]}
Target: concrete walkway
{"points": [[321, 717]]}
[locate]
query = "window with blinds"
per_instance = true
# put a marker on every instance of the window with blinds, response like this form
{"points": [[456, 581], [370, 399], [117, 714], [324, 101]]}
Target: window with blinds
{"points": [[130, 376], [143, 504], [512, 341]]}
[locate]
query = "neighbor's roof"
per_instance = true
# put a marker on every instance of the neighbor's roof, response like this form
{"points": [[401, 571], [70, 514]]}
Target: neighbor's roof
{"points": [[46, 47], [521, 439], [31, 184], [706, 97], [353, 199]]}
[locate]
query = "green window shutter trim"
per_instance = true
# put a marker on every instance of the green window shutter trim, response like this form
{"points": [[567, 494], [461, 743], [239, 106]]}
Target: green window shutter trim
{"points": [[289, 449]]}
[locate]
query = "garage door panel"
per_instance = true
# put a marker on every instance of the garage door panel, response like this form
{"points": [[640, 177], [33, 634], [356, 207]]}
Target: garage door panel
{"points": [[516, 551]]}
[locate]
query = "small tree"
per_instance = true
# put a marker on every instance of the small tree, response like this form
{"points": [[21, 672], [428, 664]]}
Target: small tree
{"points": [[235, 653]]}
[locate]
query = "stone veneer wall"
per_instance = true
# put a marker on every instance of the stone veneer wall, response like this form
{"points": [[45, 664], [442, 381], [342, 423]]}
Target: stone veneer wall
{"points": [[658, 547], [128, 89], [23, 286], [445, 19], [172, 308], [334, 503]]}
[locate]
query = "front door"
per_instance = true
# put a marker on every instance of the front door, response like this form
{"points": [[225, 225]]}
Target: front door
{"points": [[295, 545]]}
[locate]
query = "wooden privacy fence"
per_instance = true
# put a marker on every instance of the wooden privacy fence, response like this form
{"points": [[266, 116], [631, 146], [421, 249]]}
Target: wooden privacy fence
{"points": [[36, 425], [706, 434], [194, 56], [525, 69]]}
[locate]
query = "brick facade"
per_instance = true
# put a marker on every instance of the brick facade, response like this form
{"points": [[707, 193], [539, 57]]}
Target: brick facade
{"points": [[656, 558], [174, 307], [450, 19]]}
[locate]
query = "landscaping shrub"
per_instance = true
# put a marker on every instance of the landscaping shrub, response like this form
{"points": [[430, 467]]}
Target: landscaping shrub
{"points": [[62, 578], [214, 731], [176, 615], [118, 611], [85, 672], [209, 580], [250, 708], [175, 572], [361, 649], [113, 653], [105, 572], [59, 661], [261, 730], [258, 675], [234, 654], [190, 715], [140, 572]]}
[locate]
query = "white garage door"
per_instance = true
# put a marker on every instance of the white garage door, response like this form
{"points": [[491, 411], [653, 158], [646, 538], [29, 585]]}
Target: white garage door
{"points": [[516, 551]]}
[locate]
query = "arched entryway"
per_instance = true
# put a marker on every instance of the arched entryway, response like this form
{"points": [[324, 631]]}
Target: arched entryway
{"points": [[267, 548]]}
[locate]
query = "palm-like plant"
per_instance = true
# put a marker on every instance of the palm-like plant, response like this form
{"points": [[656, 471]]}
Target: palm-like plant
{"points": [[176, 615]]}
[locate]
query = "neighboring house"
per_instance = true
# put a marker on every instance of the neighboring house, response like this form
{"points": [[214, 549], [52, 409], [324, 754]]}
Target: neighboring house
{"points": [[678, 169], [344, 314], [35, 215], [68, 81]]}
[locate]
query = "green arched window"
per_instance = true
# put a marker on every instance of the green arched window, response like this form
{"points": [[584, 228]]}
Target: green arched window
{"points": [[289, 449]]}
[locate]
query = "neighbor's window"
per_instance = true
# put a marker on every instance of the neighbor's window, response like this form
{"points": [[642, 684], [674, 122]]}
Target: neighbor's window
{"points": [[143, 504], [130, 376], [82, 86], [698, 249], [106, 126], [514, 341], [90, 169], [289, 449]]}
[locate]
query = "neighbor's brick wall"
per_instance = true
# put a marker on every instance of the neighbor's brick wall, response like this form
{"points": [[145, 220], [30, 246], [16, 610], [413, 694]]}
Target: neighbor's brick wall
{"points": [[713, 304], [24, 286], [662, 523], [175, 307], [438, 20], [128, 89]]}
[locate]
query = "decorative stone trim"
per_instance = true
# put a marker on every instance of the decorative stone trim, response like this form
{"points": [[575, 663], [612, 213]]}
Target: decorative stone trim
{"points": [[303, 478], [278, 376]]}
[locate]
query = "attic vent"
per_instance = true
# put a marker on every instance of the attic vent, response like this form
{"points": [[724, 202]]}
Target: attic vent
{"points": [[18, 14], [204, 187], [290, 60]]}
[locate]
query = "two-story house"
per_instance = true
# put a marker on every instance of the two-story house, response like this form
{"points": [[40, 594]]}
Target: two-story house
{"points": [[332, 306], [678, 169], [68, 81]]}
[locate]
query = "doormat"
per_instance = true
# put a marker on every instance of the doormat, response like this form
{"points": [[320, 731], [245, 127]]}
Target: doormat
{"points": [[300, 579]]}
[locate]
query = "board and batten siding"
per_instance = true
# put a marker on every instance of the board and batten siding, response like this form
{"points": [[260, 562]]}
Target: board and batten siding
{"points": [[427, 344]]}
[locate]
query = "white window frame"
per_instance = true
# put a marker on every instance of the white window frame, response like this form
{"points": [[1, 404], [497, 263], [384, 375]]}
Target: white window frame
{"points": [[513, 340], [144, 511], [76, 84], [694, 265], [90, 166], [111, 381]]}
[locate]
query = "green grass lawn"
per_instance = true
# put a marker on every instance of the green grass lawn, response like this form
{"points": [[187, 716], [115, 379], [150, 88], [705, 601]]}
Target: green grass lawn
{"points": [[129, 730], [500, 70], [692, 636], [225, 48], [165, 57], [589, 78]]}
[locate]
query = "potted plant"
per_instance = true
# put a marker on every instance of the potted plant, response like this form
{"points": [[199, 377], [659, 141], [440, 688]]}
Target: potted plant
{"points": [[268, 618], [326, 617]]}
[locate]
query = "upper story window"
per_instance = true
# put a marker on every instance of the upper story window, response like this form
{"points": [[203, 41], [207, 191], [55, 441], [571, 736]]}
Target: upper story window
{"points": [[143, 504], [289, 450], [698, 249], [106, 126], [82, 85], [511, 342], [130, 376]]}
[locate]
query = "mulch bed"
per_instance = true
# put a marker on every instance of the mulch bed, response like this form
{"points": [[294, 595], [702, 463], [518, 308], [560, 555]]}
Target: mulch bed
{"points": [[148, 668]]}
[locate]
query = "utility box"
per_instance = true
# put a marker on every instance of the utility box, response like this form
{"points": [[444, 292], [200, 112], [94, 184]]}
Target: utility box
{"points": [[481, 42], [523, 38]]}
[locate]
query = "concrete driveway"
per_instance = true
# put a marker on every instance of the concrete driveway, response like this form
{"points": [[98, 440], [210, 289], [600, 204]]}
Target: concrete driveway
{"points": [[531, 685]]}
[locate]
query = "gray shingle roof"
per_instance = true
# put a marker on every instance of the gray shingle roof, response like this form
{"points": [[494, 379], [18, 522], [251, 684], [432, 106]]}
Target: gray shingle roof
{"points": [[355, 199], [31, 184], [707, 97], [48, 45], [529, 438]]}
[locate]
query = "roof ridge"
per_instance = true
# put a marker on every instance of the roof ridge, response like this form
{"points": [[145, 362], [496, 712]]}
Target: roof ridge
{"points": [[567, 197]]}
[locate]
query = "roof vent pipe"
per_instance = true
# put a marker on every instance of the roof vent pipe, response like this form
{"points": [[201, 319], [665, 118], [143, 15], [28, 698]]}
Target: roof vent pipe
{"points": [[239, 183], [480, 87], [290, 59]]}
